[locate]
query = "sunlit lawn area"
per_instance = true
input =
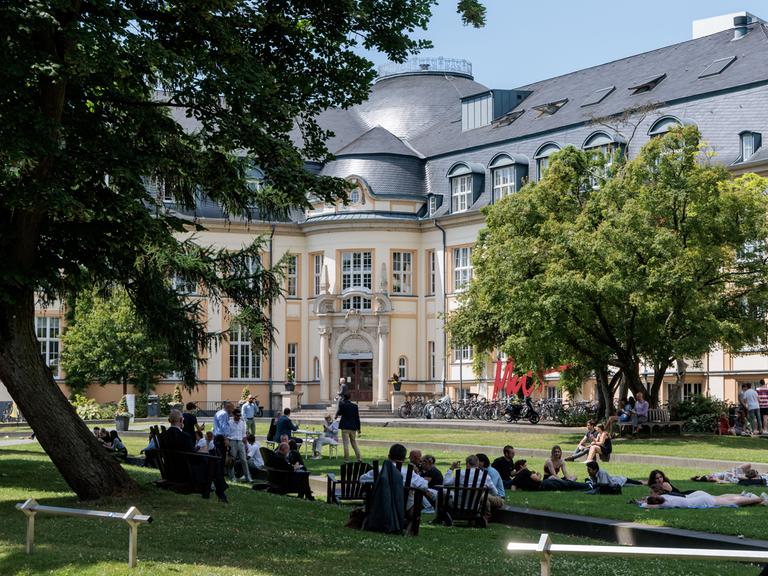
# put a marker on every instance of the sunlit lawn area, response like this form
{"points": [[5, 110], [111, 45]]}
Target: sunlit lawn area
{"points": [[260, 534]]}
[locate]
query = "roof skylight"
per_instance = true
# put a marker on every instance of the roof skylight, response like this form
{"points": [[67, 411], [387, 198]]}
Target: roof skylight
{"points": [[597, 96], [717, 66], [550, 107], [508, 118], [647, 85]]}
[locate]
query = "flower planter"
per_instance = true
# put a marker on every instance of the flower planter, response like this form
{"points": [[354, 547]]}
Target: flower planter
{"points": [[396, 386], [121, 423], [290, 386]]}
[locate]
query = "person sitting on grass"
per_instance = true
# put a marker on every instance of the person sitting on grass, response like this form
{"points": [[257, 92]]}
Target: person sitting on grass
{"points": [[530, 480], [740, 424], [723, 426], [598, 476], [659, 479], [504, 465], [601, 446], [741, 473], [116, 446], [699, 499], [429, 471], [555, 465], [584, 443]]}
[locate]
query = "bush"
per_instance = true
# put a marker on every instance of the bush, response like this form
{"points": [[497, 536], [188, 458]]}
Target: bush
{"points": [[165, 404], [141, 405], [700, 413], [89, 409]]}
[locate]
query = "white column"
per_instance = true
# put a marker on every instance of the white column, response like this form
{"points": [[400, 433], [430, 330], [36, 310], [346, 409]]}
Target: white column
{"points": [[325, 372], [381, 385]]}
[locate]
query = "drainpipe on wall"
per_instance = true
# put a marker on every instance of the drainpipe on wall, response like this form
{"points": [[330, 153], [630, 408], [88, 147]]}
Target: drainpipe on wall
{"points": [[271, 343], [445, 304]]}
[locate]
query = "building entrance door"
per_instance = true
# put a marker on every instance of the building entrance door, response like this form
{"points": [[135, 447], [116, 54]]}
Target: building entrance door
{"points": [[359, 375]]}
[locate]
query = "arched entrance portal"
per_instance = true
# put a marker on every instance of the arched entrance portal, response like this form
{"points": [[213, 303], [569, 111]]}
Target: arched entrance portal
{"points": [[356, 365]]}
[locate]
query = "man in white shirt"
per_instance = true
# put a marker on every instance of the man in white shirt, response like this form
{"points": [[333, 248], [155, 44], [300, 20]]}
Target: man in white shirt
{"points": [[397, 454], [752, 402], [330, 436], [253, 453], [237, 438]]}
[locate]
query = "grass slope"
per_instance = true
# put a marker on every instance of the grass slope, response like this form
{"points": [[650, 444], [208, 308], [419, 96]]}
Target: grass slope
{"points": [[260, 534]]}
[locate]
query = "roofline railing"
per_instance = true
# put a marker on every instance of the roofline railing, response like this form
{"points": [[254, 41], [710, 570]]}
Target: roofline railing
{"points": [[426, 65], [546, 550]]}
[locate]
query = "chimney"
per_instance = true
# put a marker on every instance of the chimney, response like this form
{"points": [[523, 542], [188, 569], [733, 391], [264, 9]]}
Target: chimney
{"points": [[740, 26]]}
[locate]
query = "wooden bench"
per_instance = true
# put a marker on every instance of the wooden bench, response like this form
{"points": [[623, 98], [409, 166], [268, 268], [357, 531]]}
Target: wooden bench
{"points": [[465, 501], [348, 483], [658, 419], [182, 472], [283, 480], [412, 514]]}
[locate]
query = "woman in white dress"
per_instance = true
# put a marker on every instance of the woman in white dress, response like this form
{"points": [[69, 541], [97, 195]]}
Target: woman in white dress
{"points": [[701, 499]]}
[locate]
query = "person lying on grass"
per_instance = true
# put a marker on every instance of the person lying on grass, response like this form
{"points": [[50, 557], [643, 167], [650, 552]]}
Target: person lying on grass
{"points": [[732, 476], [530, 480], [598, 476], [699, 499]]}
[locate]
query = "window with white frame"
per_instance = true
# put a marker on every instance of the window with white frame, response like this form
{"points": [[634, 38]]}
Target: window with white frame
{"points": [[317, 273], [251, 269], [402, 368], [316, 369], [432, 283], [291, 275], [183, 285], [432, 360], [291, 356], [402, 272], [158, 189], [601, 147], [750, 143], [47, 330], [554, 393], [356, 303], [356, 270], [432, 205], [691, 389], [663, 125], [462, 354], [503, 182], [461, 193], [244, 363], [462, 268], [542, 158]]}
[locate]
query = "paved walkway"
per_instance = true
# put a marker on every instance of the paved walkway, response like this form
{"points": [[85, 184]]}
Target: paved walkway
{"points": [[16, 441]]}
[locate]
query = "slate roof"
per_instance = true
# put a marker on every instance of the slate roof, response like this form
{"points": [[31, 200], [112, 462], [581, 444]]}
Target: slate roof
{"points": [[378, 140], [682, 63], [385, 175]]}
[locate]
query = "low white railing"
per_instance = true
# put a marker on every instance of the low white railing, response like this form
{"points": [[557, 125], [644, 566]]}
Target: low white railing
{"points": [[546, 550], [132, 517]]}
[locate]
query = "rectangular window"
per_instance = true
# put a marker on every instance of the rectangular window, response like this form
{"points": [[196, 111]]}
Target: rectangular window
{"points": [[554, 393], [691, 389], [432, 279], [432, 360], [251, 270], [402, 272], [47, 331], [356, 303], [542, 165], [462, 268], [503, 182], [183, 286], [292, 348], [356, 270], [157, 188], [462, 354], [432, 205], [317, 273], [292, 275], [461, 193], [244, 363]]}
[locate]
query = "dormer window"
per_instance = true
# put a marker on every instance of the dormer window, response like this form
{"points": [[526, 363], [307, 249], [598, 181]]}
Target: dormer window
{"points": [[750, 143], [508, 172], [542, 158], [434, 204], [663, 125], [354, 196], [647, 85], [602, 144], [461, 192], [550, 108]]}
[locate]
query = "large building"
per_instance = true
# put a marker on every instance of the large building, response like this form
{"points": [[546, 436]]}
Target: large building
{"points": [[368, 283]]}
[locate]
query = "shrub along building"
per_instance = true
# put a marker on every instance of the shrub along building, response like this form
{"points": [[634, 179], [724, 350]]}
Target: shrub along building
{"points": [[367, 283]]}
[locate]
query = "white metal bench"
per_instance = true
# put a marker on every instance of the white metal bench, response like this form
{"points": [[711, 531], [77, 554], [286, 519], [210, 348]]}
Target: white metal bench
{"points": [[546, 550], [132, 517]]}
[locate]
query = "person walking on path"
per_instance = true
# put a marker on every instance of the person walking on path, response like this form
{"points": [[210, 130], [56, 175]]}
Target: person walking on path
{"points": [[762, 396], [249, 414], [349, 426]]}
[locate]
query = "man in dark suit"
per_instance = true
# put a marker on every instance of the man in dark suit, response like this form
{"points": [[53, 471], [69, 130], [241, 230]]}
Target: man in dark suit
{"points": [[285, 477], [349, 426]]}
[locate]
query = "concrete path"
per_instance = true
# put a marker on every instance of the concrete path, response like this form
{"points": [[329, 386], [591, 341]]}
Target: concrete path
{"points": [[16, 441]]}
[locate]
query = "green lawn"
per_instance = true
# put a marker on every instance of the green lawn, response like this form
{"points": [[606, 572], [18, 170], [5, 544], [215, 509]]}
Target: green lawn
{"points": [[259, 534]]}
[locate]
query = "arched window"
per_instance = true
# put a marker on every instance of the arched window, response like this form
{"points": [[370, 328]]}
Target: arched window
{"points": [[402, 368], [508, 172], [602, 144], [316, 369], [542, 158], [663, 125]]}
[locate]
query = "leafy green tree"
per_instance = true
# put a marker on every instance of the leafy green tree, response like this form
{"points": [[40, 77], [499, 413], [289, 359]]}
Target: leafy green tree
{"points": [[110, 343], [84, 125], [659, 258]]}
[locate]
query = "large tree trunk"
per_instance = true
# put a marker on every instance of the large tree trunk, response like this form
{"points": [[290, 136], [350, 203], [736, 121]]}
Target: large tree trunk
{"points": [[659, 371], [88, 469]]}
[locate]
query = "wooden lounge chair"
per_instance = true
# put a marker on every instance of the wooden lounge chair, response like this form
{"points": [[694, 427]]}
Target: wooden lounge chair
{"points": [[465, 500], [348, 483]]}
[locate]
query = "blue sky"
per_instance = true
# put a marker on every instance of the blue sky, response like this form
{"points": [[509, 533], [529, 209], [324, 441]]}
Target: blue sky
{"points": [[528, 40]]}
